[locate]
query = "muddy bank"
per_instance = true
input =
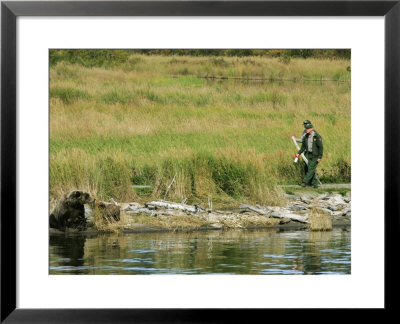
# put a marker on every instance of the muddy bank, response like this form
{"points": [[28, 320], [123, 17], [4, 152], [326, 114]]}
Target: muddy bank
{"points": [[159, 216]]}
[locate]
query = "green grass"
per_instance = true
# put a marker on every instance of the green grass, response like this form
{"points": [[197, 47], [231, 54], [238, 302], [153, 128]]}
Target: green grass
{"points": [[150, 117], [300, 191], [68, 95]]}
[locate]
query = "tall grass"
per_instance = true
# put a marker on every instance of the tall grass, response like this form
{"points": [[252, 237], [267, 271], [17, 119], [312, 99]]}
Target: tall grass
{"points": [[151, 117]]}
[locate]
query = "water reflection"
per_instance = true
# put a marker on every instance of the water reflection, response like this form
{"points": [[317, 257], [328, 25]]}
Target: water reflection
{"points": [[69, 251], [213, 252]]}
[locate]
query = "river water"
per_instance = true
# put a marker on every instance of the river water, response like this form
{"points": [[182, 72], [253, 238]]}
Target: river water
{"points": [[258, 252]]}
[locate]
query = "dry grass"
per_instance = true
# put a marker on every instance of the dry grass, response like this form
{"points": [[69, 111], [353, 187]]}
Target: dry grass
{"points": [[109, 225], [320, 221], [170, 222], [248, 221]]}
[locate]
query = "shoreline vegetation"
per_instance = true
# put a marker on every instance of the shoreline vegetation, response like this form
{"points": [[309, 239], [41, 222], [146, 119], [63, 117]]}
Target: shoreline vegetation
{"points": [[185, 126], [304, 210]]}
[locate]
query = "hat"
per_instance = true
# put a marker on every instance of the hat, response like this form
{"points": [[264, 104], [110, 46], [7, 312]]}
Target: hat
{"points": [[306, 122], [308, 126]]}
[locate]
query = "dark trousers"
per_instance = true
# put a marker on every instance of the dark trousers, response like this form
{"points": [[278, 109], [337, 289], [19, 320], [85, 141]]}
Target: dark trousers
{"points": [[309, 177]]}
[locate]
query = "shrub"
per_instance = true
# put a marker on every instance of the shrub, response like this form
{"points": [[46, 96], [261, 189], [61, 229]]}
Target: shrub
{"points": [[89, 58], [343, 170]]}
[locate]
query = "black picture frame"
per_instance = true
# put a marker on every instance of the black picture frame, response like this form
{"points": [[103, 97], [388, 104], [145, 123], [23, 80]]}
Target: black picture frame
{"points": [[390, 10]]}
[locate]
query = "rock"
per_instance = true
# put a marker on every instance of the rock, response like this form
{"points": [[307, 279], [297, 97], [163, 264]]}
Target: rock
{"points": [[275, 214], [346, 211], [298, 208], [336, 207], [283, 213], [336, 200], [291, 197], [256, 209], [347, 199], [324, 210], [169, 213], [305, 200]]}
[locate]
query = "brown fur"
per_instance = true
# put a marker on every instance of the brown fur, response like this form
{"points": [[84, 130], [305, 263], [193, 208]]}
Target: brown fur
{"points": [[69, 211], [108, 211]]}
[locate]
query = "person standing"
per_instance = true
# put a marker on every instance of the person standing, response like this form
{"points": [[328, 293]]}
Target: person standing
{"points": [[313, 150]]}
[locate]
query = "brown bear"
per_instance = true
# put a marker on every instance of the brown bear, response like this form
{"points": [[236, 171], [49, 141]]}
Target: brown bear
{"points": [[108, 211], [69, 211]]}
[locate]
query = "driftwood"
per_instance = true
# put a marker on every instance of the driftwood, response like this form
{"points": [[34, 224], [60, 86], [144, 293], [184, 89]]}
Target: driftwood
{"points": [[297, 218], [244, 208], [139, 210], [275, 213], [155, 208], [171, 205], [221, 212]]}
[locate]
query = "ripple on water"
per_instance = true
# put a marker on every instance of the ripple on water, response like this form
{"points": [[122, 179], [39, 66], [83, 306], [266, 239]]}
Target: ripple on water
{"points": [[280, 271], [141, 269], [337, 261], [142, 251], [137, 260], [69, 268]]}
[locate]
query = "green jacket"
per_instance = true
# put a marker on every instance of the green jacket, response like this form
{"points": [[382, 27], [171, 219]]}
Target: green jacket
{"points": [[317, 147]]}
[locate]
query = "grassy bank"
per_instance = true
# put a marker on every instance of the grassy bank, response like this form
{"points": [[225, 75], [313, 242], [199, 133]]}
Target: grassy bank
{"points": [[153, 118]]}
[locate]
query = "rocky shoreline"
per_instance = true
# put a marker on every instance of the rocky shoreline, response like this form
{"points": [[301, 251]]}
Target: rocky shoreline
{"points": [[170, 216]]}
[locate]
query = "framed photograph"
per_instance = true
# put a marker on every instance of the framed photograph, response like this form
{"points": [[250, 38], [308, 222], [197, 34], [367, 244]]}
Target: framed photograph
{"points": [[170, 161]]}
